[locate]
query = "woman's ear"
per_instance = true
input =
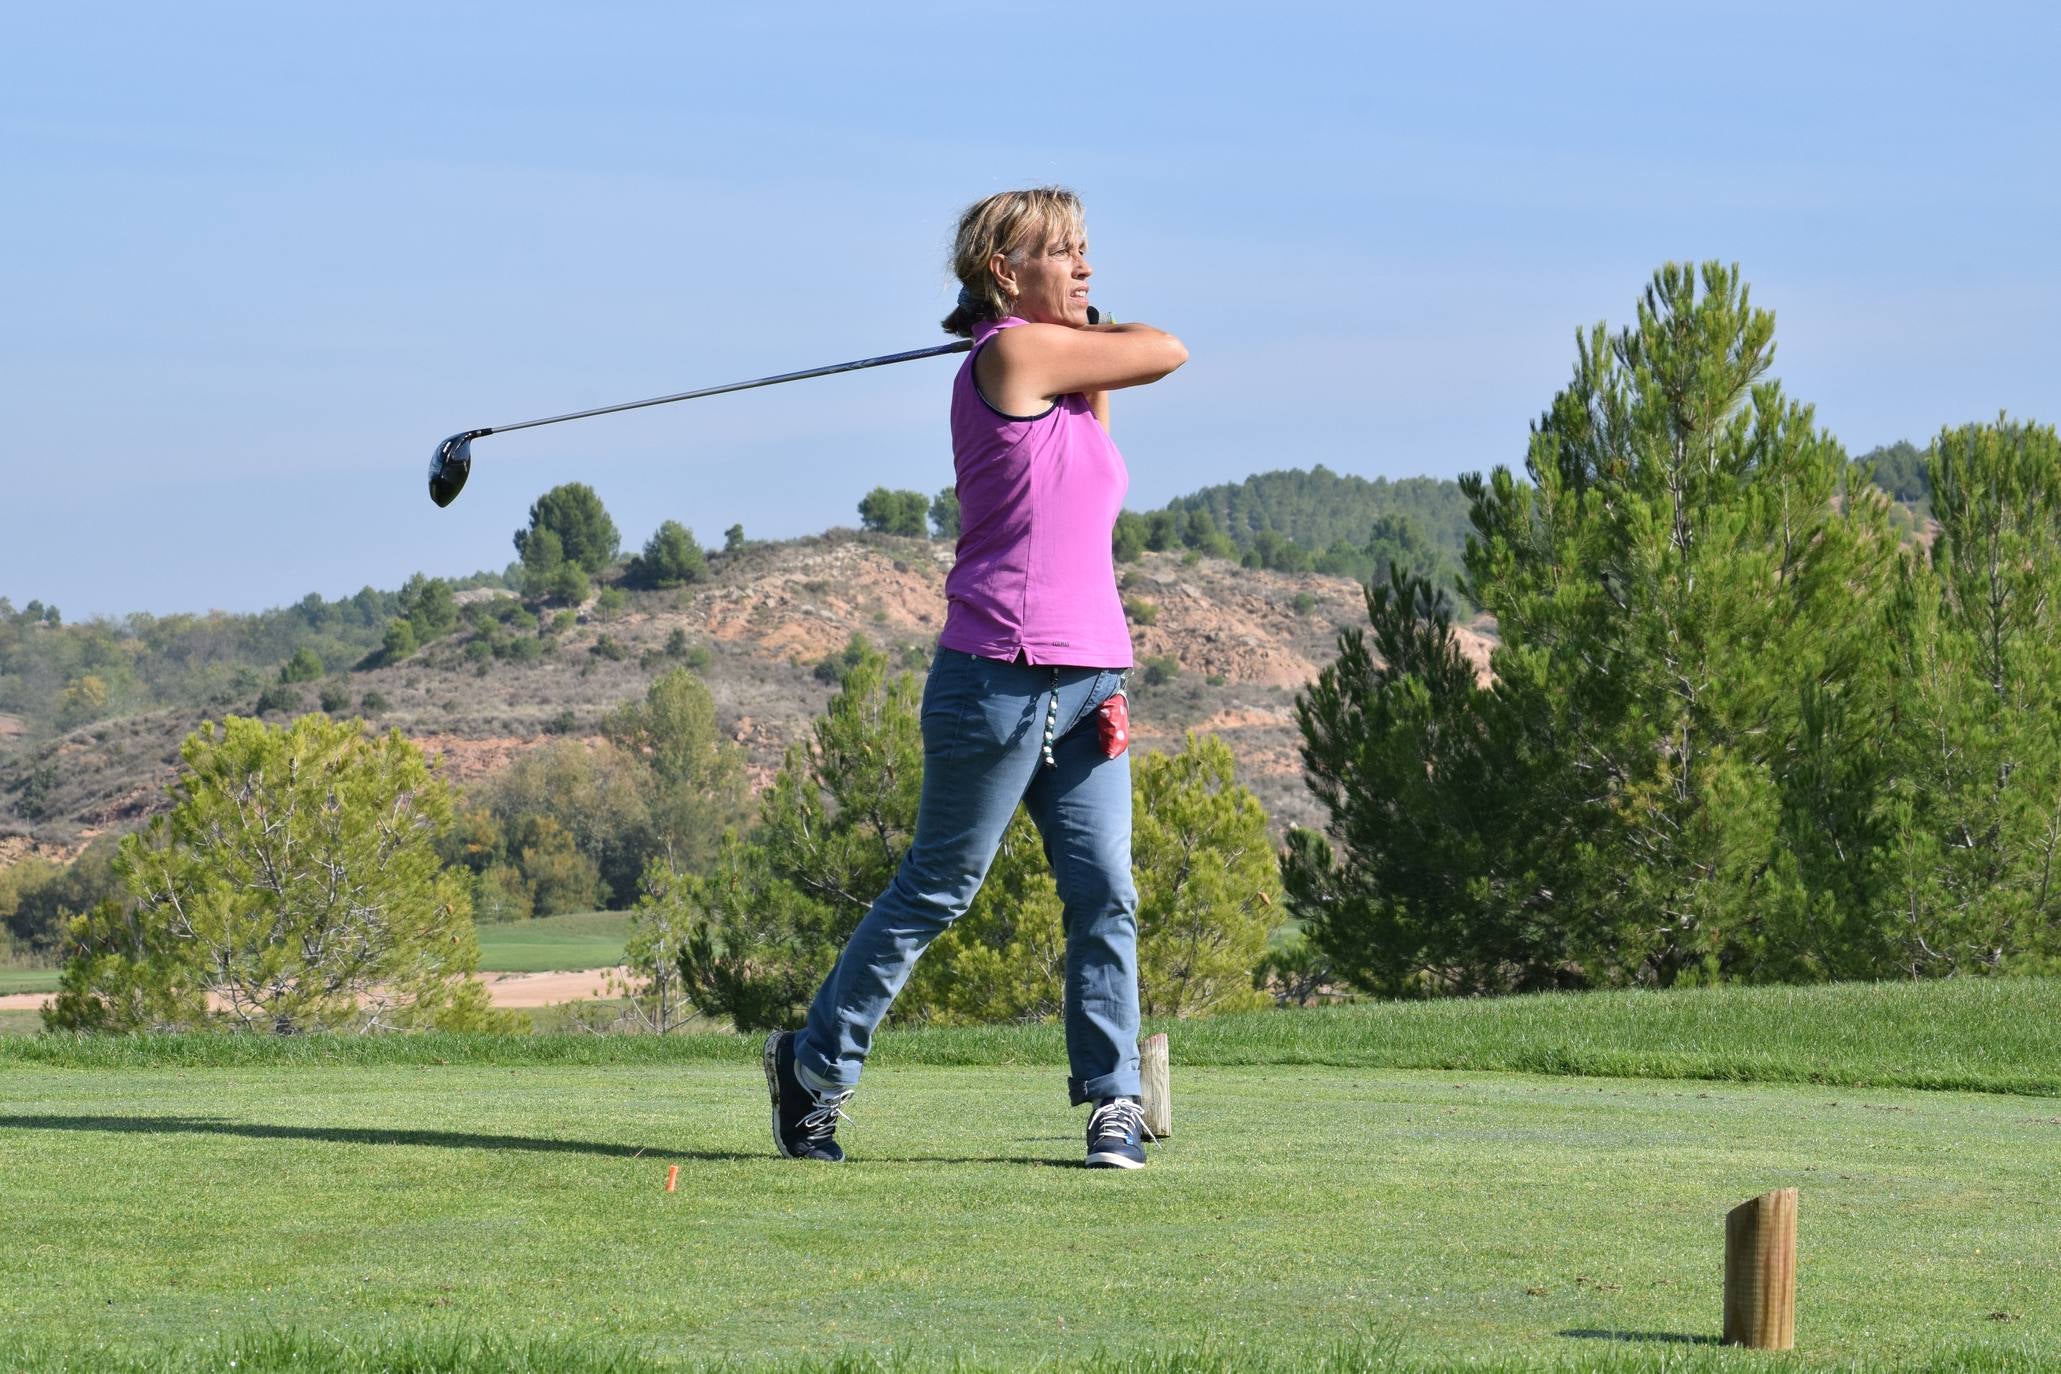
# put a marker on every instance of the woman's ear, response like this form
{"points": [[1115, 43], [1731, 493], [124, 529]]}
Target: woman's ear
{"points": [[1004, 275]]}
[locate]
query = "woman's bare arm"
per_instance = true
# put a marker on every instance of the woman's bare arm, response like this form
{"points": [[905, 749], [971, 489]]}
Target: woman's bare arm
{"points": [[1024, 369]]}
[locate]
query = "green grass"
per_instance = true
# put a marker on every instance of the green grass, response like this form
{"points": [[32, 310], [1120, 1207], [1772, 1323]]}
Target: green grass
{"points": [[16, 978], [588, 940], [486, 1353], [1429, 1217], [1979, 1035]]}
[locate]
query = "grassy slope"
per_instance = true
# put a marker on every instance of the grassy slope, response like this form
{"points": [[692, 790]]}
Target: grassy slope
{"points": [[1475, 1215], [591, 939], [1991, 1035]]}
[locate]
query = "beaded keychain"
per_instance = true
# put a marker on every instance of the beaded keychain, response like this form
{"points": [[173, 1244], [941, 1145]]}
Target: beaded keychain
{"points": [[1052, 721]]}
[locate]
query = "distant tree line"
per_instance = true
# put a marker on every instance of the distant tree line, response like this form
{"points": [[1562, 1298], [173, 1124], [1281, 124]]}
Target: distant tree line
{"points": [[59, 676]]}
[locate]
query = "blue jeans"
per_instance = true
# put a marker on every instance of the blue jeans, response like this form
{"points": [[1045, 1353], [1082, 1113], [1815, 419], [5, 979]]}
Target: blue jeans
{"points": [[983, 752]]}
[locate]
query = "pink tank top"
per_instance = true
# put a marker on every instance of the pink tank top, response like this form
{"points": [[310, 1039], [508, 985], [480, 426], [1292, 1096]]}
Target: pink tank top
{"points": [[1038, 499]]}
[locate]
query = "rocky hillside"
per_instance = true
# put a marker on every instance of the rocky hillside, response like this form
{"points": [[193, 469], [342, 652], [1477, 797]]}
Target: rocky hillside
{"points": [[1232, 646]]}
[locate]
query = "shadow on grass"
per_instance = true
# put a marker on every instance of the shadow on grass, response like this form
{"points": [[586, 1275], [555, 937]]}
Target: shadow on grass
{"points": [[358, 1135], [1034, 1160], [1641, 1337], [457, 1140]]}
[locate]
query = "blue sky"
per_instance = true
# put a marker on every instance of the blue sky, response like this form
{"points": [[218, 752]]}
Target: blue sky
{"points": [[257, 260]]}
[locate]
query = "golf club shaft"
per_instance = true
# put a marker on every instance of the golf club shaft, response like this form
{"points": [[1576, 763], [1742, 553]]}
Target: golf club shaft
{"points": [[960, 347]]}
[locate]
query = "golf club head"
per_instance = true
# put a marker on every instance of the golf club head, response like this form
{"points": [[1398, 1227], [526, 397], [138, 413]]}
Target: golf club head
{"points": [[451, 465]]}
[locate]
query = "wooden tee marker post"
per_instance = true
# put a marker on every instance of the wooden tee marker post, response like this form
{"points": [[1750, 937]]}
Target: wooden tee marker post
{"points": [[1760, 1272], [1155, 1074]]}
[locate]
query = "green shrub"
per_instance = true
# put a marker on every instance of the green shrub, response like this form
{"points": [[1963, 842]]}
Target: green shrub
{"points": [[429, 608], [32, 793], [572, 517], [895, 512], [1141, 612], [398, 643], [304, 666], [278, 699], [671, 558], [561, 878], [501, 893], [295, 860]]}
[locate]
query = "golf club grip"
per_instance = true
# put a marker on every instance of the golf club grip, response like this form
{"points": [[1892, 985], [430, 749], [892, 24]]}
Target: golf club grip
{"points": [[960, 347]]}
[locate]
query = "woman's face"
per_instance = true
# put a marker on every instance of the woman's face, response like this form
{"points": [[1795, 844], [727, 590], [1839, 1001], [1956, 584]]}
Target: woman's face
{"points": [[1051, 283]]}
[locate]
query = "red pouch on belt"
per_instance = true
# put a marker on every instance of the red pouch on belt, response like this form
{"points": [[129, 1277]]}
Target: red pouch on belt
{"points": [[1113, 720]]}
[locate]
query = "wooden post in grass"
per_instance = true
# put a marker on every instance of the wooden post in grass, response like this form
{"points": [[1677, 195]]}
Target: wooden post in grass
{"points": [[1760, 1272], [1156, 1074]]}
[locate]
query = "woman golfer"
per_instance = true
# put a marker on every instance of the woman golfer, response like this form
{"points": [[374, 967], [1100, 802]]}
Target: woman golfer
{"points": [[1017, 706]]}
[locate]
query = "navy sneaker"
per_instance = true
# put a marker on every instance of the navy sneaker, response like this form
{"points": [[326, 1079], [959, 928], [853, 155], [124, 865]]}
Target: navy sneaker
{"points": [[804, 1125], [1114, 1128]]}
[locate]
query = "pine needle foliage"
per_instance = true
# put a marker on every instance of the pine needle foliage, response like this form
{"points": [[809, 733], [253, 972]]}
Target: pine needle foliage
{"points": [[1673, 777], [293, 886]]}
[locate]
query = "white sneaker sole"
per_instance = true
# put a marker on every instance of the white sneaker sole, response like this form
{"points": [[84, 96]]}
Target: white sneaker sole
{"points": [[1103, 1160]]}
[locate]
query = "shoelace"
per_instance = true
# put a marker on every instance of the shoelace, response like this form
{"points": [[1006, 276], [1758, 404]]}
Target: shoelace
{"points": [[821, 1123], [1119, 1117]]}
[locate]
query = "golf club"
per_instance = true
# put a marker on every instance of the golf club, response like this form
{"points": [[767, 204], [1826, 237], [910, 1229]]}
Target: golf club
{"points": [[452, 463]]}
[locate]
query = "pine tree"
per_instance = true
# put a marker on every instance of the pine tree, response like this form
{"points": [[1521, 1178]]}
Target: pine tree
{"points": [[1692, 559], [1691, 592], [295, 879], [671, 558], [944, 514], [1436, 802], [587, 537], [1973, 805], [774, 909]]}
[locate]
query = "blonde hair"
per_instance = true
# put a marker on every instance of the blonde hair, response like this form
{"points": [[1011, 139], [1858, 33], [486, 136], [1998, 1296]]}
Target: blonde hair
{"points": [[1007, 222]]}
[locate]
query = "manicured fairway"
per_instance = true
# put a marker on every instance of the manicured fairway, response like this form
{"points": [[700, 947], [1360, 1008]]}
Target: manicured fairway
{"points": [[588, 940], [28, 980], [1437, 1216]]}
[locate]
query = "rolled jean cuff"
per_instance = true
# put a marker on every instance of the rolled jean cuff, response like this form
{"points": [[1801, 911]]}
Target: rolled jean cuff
{"points": [[818, 1086], [1122, 1083]]}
